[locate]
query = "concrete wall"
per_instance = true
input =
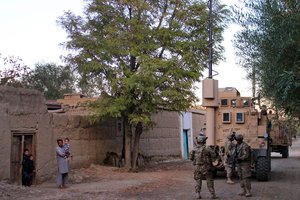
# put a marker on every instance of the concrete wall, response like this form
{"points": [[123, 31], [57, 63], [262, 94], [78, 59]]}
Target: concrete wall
{"points": [[192, 121], [198, 121]]}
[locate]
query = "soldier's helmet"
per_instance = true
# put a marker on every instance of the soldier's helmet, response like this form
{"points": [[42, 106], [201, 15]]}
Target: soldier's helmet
{"points": [[201, 138], [231, 135], [239, 136]]}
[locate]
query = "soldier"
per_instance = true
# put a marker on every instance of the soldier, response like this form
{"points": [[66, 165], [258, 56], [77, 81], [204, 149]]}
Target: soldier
{"points": [[229, 156], [202, 157], [243, 157]]}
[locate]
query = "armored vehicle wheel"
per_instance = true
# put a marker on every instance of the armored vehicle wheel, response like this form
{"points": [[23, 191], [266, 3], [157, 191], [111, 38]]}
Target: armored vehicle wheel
{"points": [[263, 169], [285, 152]]}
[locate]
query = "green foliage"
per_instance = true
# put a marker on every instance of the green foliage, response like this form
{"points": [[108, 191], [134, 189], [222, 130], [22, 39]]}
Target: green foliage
{"points": [[12, 70], [145, 55], [52, 80], [270, 42]]}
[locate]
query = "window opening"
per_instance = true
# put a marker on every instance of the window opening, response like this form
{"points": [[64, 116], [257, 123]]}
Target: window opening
{"points": [[226, 117], [240, 118], [224, 102]]}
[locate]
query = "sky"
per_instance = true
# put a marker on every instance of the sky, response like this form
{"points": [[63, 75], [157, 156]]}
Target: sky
{"points": [[29, 29], [30, 32]]}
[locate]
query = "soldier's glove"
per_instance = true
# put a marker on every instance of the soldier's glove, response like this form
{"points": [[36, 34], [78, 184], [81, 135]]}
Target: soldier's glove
{"points": [[192, 155]]}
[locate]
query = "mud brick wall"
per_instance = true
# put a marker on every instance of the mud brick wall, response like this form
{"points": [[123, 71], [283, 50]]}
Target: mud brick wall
{"points": [[89, 143], [24, 110], [164, 139]]}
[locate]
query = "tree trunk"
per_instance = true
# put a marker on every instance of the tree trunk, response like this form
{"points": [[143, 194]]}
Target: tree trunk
{"points": [[136, 145], [128, 138]]}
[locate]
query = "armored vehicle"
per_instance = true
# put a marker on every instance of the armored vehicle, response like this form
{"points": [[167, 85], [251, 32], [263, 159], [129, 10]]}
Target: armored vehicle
{"points": [[233, 112], [281, 134]]}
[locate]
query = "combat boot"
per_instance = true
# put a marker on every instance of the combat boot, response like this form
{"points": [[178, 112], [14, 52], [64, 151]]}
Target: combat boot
{"points": [[243, 192], [198, 195], [229, 181], [248, 193], [213, 196]]}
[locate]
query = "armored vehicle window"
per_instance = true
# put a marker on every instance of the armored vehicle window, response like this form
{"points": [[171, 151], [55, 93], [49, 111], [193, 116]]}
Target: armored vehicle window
{"points": [[224, 102], [226, 117], [246, 102], [233, 102], [239, 118]]}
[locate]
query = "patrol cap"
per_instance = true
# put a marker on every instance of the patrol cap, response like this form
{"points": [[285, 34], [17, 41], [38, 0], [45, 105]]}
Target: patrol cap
{"points": [[201, 138]]}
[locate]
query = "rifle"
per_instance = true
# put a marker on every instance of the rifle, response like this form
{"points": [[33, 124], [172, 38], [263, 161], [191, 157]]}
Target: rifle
{"points": [[233, 158]]}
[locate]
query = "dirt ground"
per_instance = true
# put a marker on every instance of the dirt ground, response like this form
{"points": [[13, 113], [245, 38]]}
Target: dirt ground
{"points": [[167, 180]]}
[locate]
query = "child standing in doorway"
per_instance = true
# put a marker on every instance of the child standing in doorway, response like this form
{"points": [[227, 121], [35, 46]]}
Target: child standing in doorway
{"points": [[29, 170]]}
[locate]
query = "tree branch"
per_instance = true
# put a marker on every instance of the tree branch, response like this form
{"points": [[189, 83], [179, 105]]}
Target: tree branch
{"points": [[162, 15], [170, 26]]}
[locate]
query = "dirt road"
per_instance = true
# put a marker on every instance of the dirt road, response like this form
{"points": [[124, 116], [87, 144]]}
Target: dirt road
{"points": [[167, 181]]}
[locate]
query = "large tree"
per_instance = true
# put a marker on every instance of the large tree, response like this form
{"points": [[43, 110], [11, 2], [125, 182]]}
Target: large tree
{"points": [[51, 79], [269, 45], [145, 54], [12, 70]]}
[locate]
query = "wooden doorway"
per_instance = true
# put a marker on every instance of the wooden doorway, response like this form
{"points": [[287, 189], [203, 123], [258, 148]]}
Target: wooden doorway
{"points": [[20, 140]]}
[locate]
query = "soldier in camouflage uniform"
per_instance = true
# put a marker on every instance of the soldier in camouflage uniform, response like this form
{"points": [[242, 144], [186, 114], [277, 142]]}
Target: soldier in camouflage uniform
{"points": [[202, 157], [229, 148], [243, 157]]}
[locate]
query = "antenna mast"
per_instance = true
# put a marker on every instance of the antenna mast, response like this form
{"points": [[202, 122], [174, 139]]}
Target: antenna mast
{"points": [[210, 40], [210, 89]]}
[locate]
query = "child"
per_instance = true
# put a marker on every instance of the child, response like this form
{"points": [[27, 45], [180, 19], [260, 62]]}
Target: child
{"points": [[25, 166], [29, 170], [67, 147]]}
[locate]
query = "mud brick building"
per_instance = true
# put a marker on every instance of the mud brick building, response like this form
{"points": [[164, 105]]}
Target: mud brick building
{"points": [[24, 123]]}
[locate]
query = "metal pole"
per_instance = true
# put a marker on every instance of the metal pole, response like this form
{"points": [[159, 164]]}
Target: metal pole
{"points": [[210, 41]]}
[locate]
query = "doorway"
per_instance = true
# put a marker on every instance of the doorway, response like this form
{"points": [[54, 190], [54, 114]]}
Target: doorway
{"points": [[185, 144], [20, 140]]}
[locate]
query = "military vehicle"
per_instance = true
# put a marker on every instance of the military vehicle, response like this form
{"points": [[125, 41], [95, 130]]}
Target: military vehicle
{"points": [[281, 134], [233, 112]]}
